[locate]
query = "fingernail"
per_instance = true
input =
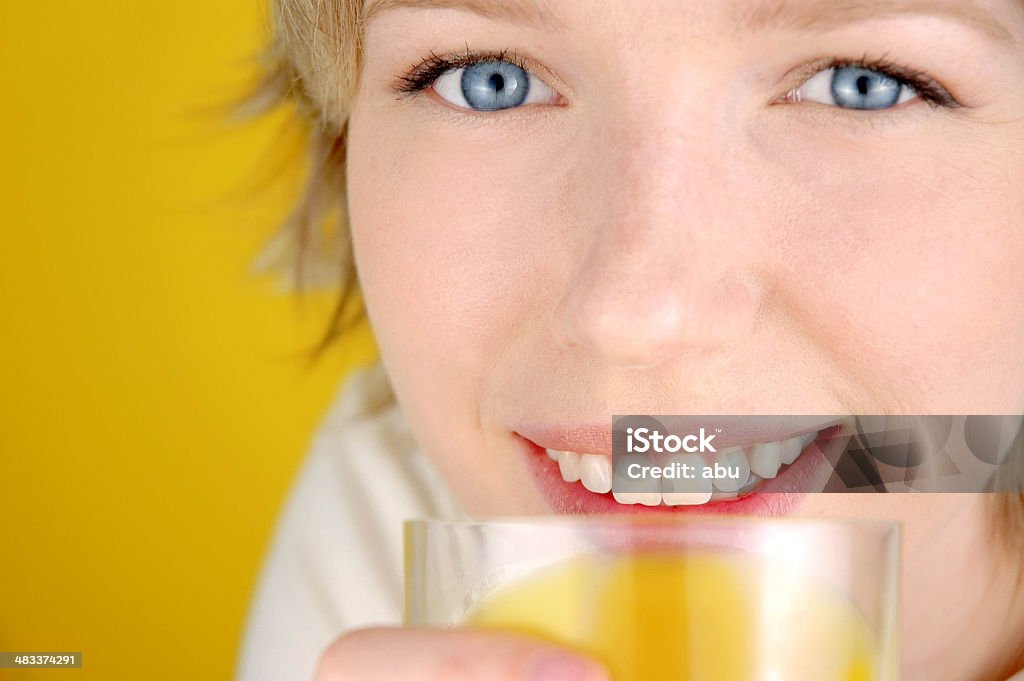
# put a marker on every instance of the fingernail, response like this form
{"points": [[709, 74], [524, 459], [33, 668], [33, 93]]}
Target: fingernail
{"points": [[565, 668]]}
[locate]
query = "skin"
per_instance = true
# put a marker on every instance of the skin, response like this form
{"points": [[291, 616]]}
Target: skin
{"points": [[673, 236]]}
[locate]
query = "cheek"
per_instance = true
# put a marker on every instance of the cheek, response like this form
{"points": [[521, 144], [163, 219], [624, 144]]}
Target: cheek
{"points": [[451, 236], [911, 263], [457, 243]]}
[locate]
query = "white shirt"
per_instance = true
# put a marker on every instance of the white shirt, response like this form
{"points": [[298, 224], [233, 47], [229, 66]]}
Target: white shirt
{"points": [[336, 559]]}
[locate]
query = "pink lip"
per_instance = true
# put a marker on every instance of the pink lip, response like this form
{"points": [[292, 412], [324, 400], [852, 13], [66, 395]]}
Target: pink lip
{"points": [[777, 497], [593, 439], [597, 438]]}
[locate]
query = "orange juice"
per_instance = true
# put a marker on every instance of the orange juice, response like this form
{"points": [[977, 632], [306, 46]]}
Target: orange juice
{"points": [[701, 617]]}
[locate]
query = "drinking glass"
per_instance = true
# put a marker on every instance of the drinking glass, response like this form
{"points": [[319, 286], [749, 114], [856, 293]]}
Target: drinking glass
{"points": [[659, 599]]}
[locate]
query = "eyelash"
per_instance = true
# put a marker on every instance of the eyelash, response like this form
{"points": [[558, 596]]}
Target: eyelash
{"points": [[931, 91], [425, 73]]}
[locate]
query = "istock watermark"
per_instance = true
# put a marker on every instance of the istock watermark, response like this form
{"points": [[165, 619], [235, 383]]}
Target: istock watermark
{"points": [[737, 455], [643, 440]]}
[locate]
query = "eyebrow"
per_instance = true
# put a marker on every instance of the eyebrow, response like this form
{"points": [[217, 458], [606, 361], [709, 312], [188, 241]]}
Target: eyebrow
{"points": [[527, 12], [821, 16]]}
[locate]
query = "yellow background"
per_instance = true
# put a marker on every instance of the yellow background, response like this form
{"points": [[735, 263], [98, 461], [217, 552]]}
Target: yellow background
{"points": [[156, 399]]}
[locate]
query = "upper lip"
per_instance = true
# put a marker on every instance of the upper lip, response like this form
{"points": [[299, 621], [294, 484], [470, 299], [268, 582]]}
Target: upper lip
{"points": [[584, 438], [737, 431]]}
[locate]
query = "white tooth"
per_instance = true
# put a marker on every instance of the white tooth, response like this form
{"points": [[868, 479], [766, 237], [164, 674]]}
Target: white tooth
{"points": [[645, 498], [552, 454], [569, 465], [753, 481], [723, 495], [790, 450], [690, 491], [686, 498], [732, 458], [766, 459], [806, 439], [596, 473]]}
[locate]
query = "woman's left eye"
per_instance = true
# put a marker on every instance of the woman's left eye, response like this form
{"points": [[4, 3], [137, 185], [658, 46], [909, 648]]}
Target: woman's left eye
{"points": [[491, 86], [854, 87]]}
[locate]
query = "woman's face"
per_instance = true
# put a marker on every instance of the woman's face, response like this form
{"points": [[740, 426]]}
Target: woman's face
{"points": [[561, 213]]}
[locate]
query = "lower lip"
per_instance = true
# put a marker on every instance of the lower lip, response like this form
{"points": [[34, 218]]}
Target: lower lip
{"points": [[779, 496]]}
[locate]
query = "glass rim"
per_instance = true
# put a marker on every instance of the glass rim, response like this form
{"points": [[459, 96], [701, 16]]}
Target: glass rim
{"points": [[881, 526]]}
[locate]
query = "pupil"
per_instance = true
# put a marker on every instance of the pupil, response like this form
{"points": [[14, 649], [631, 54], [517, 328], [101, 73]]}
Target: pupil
{"points": [[497, 82], [863, 84]]}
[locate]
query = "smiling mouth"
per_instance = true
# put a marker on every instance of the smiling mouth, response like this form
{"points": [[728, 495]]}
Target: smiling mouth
{"points": [[754, 464], [768, 473]]}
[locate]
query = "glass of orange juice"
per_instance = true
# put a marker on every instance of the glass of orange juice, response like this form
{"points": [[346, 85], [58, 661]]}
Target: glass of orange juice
{"points": [[708, 599]]}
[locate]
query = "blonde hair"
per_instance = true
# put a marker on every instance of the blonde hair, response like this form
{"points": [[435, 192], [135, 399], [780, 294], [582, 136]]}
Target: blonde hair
{"points": [[314, 61]]}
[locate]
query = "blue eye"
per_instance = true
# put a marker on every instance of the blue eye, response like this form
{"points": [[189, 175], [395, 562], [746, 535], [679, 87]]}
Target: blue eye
{"points": [[491, 86], [854, 87], [494, 85], [857, 88]]}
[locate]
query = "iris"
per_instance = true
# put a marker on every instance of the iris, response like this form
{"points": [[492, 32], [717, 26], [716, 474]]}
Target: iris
{"points": [[494, 85], [857, 88]]}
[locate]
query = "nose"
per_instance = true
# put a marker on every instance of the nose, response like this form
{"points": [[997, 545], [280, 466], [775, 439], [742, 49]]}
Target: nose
{"points": [[666, 264]]}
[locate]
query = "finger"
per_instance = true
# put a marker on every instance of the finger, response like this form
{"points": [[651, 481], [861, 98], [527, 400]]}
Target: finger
{"points": [[458, 655]]}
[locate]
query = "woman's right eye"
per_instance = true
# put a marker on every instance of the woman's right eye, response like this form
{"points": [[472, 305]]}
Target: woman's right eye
{"points": [[492, 85]]}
